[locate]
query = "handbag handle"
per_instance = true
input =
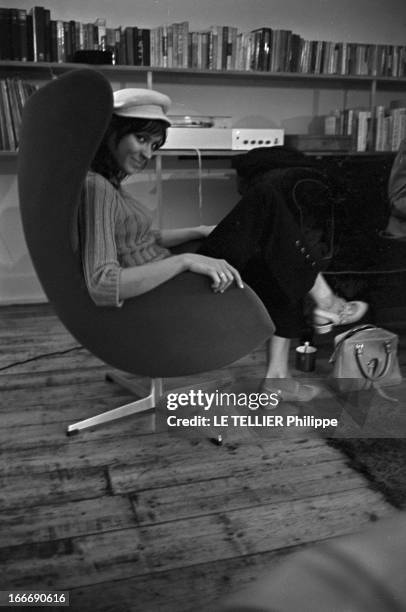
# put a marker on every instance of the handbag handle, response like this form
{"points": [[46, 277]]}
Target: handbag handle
{"points": [[359, 349], [351, 332]]}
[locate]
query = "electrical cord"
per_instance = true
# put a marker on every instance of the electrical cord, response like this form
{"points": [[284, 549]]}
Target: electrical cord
{"points": [[200, 179], [78, 347]]}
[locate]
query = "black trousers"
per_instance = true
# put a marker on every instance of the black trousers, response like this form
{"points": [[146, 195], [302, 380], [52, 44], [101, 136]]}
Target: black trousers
{"points": [[261, 238]]}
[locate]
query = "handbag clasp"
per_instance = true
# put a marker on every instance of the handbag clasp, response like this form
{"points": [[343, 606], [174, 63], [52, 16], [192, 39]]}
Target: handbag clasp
{"points": [[359, 348]]}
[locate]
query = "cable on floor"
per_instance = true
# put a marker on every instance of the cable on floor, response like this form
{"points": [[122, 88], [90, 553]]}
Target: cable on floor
{"points": [[42, 356]]}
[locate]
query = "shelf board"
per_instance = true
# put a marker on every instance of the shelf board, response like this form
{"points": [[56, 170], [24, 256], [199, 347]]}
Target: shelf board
{"points": [[54, 68], [230, 153], [8, 154], [193, 153]]}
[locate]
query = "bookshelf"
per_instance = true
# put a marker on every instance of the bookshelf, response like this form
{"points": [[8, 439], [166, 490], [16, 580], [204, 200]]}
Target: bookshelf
{"points": [[37, 44]]}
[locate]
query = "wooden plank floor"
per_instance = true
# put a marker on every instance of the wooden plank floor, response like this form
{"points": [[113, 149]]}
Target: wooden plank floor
{"points": [[129, 520]]}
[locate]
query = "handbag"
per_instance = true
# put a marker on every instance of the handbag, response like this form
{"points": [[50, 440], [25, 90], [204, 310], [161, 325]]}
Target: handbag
{"points": [[365, 357]]}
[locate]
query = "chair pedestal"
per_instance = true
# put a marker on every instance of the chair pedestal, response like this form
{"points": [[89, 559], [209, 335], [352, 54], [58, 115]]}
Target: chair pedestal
{"points": [[147, 403], [142, 405]]}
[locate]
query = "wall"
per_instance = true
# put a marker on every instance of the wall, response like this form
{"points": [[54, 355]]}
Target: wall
{"points": [[289, 106]]}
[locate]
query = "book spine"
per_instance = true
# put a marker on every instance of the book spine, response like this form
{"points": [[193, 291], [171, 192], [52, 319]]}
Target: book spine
{"points": [[175, 45], [79, 36], [380, 60], [219, 63], [239, 59], [343, 59], [351, 59], [257, 55], [336, 53], [85, 36], [15, 51], [67, 41], [184, 34], [170, 46], [388, 133], [198, 50], [60, 41], [234, 34], [115, 45], [4, 143], [332, 124], [305, 57], [248, 50], [47, 34], [146, 47], [153, 36], [296, 42], [402, 62], [224, 48], [30, 41], [402, 127], [372, 60], [5, 42], [14, 108], [129, 46], [53, 49], [363, 129], [286, 49], [212, 61], [180, 50], [137, 43], [38, 33], [100, 26], [379, 128], [164, 46], [397, 127], [10, 143], [72, 40]]}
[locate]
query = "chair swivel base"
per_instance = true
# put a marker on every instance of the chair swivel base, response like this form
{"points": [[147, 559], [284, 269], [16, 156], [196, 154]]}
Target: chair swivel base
{"points": [[147, 403], [142, 405]]}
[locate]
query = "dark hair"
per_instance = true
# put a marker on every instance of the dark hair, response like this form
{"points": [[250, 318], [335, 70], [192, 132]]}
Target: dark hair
{"points": [[104, 162]]}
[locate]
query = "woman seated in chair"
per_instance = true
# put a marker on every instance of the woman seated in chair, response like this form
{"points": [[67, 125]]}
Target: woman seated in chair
{"points": [[257, 242]]}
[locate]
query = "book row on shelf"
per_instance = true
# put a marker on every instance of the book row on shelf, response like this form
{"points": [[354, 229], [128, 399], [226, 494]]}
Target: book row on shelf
{"points": [[14, 92], [358, 129], [382, 129], [33, 35]]}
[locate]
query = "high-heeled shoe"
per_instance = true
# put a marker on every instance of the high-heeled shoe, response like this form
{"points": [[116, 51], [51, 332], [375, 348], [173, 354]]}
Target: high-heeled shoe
{"points": [[325, 319]]}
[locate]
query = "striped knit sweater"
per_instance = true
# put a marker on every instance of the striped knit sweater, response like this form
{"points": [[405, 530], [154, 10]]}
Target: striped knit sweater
{"points": [[116, 233]]}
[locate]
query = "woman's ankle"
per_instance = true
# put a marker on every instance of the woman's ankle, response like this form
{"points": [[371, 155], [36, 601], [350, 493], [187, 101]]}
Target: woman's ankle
{"points": [[277, 373], [326, 302], [322, 294]]}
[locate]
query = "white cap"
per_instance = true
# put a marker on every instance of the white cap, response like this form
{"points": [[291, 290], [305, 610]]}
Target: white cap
{"points": [[142, 104]]}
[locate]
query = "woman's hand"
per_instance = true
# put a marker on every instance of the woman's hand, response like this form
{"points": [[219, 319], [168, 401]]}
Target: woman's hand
{"points": [[219, 270]]}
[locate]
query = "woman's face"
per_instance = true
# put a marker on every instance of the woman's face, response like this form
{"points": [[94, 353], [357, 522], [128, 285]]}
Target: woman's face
{"points": [[133, 151]]}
